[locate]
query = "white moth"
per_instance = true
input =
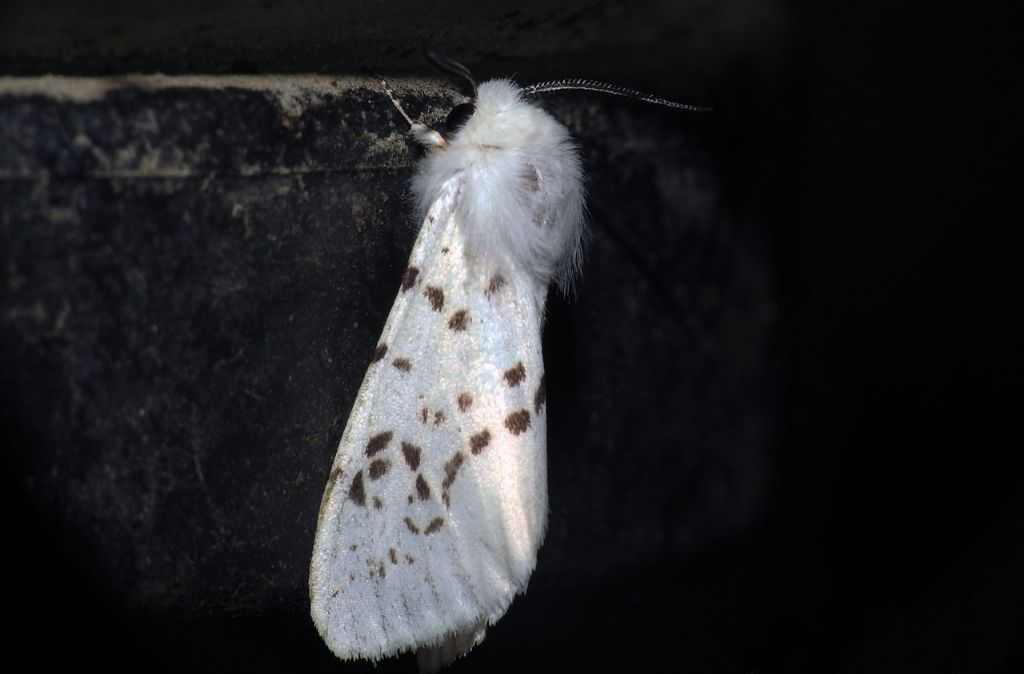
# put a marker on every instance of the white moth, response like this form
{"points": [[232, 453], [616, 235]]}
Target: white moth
{"points": [[436, 502]]}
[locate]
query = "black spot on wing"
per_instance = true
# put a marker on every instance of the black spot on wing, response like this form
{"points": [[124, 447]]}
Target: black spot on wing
{"points": [[459, 321], [409, 278], [541, 396], [411, 453], [378, 443], [496, 283], [356, 492], [479, 441], [518, 422], [422, 490], [379, 468], [435, 296], [514, 376], [451, 471]]}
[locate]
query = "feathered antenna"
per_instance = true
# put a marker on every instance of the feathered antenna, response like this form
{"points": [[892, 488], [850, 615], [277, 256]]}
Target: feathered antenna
{"points": [[605, 88]]}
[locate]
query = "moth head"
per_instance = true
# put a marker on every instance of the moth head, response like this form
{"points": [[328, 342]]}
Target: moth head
{"points": [[497, 100], [492, 117], [458, 116]]}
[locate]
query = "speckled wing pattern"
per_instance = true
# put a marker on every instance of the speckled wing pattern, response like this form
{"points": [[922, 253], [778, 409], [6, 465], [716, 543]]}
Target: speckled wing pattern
{"points": [[436, 503]]}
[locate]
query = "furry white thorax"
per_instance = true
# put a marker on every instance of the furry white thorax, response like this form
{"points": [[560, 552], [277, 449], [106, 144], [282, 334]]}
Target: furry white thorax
{"points": [[521, 194]]}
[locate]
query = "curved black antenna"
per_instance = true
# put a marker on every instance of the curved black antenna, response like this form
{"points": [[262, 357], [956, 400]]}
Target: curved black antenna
{"points": [[450, 66], [605, 88]]}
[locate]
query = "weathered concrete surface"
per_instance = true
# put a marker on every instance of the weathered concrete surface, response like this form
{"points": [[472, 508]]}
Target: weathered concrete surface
{"points": [[196, 271]]}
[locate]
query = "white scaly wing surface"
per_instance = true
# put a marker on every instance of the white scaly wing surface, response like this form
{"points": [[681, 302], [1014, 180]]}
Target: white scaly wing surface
{"points": [[436, 503]]}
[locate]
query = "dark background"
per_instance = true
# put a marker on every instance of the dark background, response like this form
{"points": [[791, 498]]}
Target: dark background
{"points": [[826, 479]]}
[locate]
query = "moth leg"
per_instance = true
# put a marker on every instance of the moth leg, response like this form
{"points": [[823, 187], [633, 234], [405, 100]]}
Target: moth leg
{"points": [[423, 134]]}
